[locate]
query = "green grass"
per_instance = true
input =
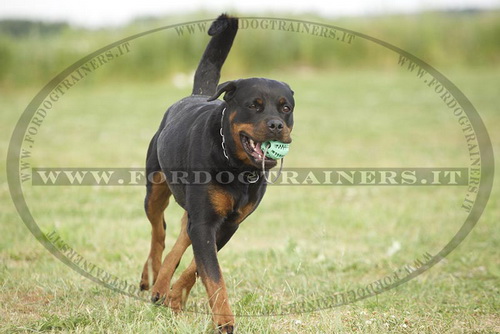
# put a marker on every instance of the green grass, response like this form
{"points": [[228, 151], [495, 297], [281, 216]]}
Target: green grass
{"points": [[302, 243]]}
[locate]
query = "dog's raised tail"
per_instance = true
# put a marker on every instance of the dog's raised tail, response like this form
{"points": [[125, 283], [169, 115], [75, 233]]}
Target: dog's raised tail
{"points": [[223, 30]]}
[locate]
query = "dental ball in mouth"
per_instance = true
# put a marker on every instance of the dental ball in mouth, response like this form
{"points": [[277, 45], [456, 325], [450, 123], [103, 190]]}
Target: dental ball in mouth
{"points": [[273, 149]]}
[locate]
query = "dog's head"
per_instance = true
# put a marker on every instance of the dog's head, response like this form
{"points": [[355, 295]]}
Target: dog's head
{"points": [[258, 110]]}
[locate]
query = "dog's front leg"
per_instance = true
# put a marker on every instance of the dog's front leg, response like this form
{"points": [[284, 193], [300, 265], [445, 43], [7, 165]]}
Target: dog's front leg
{"points": [[203, 238]]}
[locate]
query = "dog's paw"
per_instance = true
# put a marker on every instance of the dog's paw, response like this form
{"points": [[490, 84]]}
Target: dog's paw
{"points": [[159, 291], [155, 298], [174, 303], [144, 285], [224, 323], [225, 329]]}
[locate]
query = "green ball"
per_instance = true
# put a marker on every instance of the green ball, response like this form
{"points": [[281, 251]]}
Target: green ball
{"points": [[275, 149]]}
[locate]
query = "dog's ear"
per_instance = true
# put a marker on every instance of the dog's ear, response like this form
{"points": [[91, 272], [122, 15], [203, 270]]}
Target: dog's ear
{"points": [[228, 87]]}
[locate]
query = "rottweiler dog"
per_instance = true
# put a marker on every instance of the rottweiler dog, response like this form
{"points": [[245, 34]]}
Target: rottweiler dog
{"points": [[202, 133]]}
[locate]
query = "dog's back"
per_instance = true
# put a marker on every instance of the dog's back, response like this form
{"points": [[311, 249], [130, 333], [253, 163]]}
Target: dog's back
{"points": [[171, 147]]}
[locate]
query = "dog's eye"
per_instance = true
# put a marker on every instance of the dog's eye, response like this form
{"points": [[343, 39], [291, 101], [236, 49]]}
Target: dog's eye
{"points": [[286, 109], [256, 107]]}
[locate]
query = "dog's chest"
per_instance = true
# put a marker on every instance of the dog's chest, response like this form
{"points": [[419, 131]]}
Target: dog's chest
{"points": [[245, 202]]}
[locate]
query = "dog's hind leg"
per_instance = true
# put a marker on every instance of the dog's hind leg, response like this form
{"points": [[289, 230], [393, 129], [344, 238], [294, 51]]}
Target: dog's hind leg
{"points": [[155, 203], [178, 295], [162, 284]]}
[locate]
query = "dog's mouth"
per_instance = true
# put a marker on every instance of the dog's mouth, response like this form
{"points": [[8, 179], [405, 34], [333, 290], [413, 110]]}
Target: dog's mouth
{"points": [[254, 151]]}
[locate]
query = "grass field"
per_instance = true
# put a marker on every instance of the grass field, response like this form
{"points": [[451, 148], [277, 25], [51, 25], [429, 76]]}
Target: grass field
{"points": [[302, 243]]}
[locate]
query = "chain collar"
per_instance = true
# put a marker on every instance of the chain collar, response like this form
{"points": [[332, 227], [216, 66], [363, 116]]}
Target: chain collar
{"points": [[222, 135], [251, 177]]}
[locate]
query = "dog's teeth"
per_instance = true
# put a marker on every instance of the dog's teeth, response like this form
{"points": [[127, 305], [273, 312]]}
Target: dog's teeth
{"points": [[252, 144]]}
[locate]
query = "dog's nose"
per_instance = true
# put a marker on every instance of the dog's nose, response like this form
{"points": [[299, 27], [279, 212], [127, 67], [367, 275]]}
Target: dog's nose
{"points": [[275, 125]]}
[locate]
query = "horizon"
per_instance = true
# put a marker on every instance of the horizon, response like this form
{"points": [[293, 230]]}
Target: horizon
{"points": [[96, 14]]}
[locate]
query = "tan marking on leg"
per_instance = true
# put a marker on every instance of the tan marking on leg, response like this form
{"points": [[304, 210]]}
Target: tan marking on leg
{"points": [[217, 292], [157, 203], [178, 295], [219, 302], [162, 284]]}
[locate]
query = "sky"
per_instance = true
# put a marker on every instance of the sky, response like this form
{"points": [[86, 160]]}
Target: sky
{"points": [[99, 13]]}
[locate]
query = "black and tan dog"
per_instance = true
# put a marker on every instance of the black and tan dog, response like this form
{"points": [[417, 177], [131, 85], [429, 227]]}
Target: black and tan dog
{"points": [[203, 133]]}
